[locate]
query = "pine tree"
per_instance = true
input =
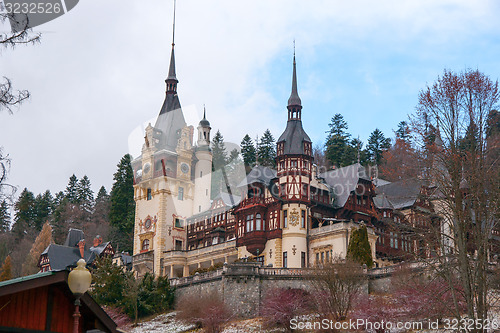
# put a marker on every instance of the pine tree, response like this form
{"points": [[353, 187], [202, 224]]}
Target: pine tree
{"points": [[72, 190], [43, 208], [102, 195], [337, 141], [377, 145], [6, 270], [24, 219], [43, 240], [59, 224], [248, 151], [85, 195], [122, 209], [403, 132], [359, 247], [233, 155], [100, 216], [219, 154], [4, 217], [266, 150], [58, 199]]}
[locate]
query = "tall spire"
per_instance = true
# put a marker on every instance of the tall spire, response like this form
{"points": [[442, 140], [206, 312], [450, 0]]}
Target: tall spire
{"points": [[171, 80], [294, 102]]}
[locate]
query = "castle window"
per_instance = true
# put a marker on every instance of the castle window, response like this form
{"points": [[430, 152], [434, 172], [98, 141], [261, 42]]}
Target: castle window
{"points": [[180, 195], [178, 245], [317, 258], [201, 174], [249, 227], [293, 163], [149, 195], [302, 259], [285, 219], [303, 221], [179, 223], [258, 222], [392, 240], [158, 166], [145, 245], [285, 259]]}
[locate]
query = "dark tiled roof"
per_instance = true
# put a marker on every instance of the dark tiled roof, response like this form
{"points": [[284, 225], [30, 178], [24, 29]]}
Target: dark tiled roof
{"points": [[171, 69], [343, 181], [294, 137], [126, 258], [382, 202], [74, 236], [98, 249], [61, 256], [403, 193], [259, 174], [169, 123], [294, 99]]}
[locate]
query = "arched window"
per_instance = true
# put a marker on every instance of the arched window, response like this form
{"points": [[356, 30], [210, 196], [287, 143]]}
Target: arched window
{"points": [[258, 222], [145, 245]]}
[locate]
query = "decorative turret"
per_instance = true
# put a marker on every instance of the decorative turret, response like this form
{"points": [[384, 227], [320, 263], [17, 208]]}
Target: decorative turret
{"points": [[294, 140], [204, 131], [294, 102], [171, 80]]}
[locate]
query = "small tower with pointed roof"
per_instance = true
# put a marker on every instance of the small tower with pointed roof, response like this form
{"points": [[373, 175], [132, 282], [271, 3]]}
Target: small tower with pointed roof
{"points": [[203, 168]]}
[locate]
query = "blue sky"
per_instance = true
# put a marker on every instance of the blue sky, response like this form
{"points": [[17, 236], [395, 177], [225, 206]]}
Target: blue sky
{"points": [[98, 73]]}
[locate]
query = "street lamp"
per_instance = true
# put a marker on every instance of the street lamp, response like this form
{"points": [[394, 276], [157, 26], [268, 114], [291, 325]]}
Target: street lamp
{"points": [[78, 281]]}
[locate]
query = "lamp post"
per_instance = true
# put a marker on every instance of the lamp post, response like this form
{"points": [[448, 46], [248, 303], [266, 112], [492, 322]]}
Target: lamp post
{"points": [[79, 280]]}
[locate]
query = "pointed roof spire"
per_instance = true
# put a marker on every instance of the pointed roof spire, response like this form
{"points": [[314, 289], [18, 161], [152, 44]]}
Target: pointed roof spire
{"points": [[171, 70], [204, 121], [294, 96]]}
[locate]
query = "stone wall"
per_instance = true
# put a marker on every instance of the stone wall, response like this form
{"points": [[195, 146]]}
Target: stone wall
{"points": [[243, 286]]}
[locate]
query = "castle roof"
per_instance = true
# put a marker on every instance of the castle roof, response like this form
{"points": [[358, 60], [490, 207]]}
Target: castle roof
{"points": [[343, 181], [259, 174]]}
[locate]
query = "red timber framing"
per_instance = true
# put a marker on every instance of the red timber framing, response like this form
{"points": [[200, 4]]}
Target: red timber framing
{"points": [[44, 303]]}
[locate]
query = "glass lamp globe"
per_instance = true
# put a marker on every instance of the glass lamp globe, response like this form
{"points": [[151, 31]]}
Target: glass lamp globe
{"points": [[79, 279]]}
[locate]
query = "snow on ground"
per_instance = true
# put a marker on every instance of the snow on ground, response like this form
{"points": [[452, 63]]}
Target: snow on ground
{"points": [[168, 323], [163, 323]]}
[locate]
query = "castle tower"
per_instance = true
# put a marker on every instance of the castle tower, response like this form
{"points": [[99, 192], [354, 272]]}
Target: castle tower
{"points": [[163, 183], [202, 173], [294, 165]]}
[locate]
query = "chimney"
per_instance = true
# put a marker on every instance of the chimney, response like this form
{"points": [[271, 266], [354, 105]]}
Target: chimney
{"points": [[81, 246], [97, 241]]}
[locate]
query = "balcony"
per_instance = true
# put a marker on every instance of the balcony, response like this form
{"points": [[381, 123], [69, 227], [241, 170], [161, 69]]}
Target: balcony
{"points": [[256, 201], [229, 245], [360, 208]]}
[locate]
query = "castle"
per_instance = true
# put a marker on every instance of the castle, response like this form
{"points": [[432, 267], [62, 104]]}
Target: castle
{"points": [[293, 217]]}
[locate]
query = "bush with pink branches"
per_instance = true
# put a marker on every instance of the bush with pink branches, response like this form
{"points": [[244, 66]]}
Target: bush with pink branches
{"points": [[282, 305]]}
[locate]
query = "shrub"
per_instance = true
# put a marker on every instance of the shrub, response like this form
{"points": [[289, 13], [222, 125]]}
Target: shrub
{"points": [[282, 305], [207, 311], [359, 249], [337, 284]]}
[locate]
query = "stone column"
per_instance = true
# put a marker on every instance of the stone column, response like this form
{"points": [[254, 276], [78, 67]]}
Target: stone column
{"points": [[171, 271]]}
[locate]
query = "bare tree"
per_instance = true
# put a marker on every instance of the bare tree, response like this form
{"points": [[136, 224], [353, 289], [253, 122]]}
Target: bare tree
{"points": [[451, 128], [337, 283], [21, 35]]}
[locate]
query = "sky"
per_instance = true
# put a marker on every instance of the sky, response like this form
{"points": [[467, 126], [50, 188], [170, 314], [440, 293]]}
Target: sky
{"points": [[97, 76]]}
